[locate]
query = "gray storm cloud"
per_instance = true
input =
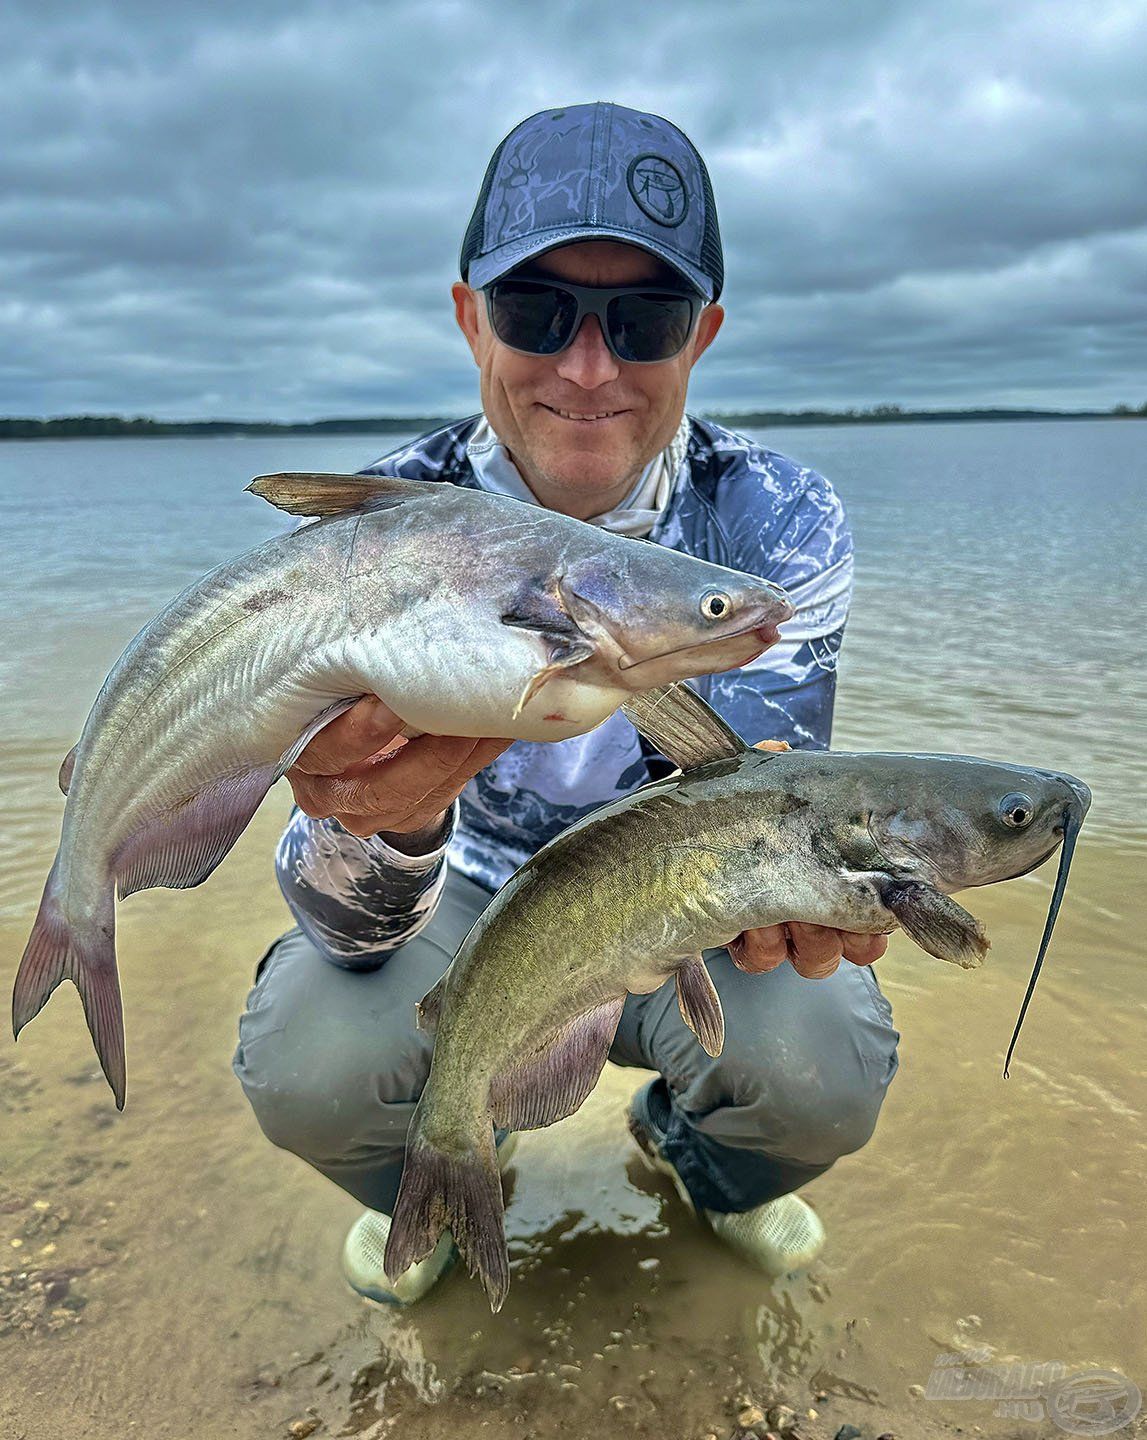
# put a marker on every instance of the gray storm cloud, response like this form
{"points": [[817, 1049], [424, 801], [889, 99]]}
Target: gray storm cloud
{"points": [[256, 211]]}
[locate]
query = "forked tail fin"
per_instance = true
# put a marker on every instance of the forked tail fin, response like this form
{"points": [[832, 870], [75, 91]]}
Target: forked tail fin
{"points": [[460, 1192], [60, 950]]}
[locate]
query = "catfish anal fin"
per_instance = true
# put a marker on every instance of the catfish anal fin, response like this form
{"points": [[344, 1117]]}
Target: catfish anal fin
{"points": [[936, 923], [554, 1081], [179, 848], [700, 1006], [683, 727]]}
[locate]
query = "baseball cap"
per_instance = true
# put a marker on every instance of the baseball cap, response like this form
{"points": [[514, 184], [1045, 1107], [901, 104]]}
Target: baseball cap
{"points": [[595, 172]]}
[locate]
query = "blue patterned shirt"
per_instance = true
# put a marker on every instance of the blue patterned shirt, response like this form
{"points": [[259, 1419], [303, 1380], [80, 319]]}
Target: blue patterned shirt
{"points": [[734, 503]]}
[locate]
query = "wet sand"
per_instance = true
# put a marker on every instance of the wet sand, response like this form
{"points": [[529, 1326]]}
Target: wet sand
{"points": [[167, 1272]]}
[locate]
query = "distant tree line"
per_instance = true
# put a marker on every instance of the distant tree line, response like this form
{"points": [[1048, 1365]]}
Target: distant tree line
{"points": [[87, 426], [896, 414], [94, 425]]}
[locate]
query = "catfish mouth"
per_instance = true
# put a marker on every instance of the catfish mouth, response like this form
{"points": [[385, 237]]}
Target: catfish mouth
{"points": [[1042, 859], [767, 635]]}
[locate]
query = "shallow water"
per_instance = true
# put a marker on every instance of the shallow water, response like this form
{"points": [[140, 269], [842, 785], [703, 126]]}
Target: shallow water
{"points": [[196, 1288]]}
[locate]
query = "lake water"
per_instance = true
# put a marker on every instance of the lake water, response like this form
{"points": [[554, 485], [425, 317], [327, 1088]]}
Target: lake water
{"points": [[1000, 607]]}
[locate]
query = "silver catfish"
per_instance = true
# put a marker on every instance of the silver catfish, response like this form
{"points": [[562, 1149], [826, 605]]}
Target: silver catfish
{"points": [[468, 613], [629, 898]]}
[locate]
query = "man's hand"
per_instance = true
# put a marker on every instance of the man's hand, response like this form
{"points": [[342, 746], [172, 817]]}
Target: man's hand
{"points": [[815, 950], [358, 772]]}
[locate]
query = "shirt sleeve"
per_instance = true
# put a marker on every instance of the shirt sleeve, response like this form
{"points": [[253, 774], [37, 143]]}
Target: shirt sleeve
{"points": [[357, 899], [804, 545]]}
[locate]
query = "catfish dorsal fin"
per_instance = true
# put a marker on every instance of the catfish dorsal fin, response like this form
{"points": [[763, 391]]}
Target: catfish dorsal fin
{"points": [[683, 727], [306, 493]]}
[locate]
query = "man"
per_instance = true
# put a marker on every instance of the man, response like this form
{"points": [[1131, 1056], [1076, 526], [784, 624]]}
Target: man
{"points": [[591, 271]]}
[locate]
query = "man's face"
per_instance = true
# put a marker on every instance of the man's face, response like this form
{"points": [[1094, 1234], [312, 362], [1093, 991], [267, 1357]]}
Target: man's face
{"points": [[581, 425]]}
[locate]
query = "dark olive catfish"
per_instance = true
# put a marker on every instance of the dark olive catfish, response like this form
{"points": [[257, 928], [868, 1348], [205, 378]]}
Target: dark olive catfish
{"points": [[632, 895]]}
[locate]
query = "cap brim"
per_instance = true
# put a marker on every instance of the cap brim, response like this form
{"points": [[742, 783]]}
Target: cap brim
{"points": [[485, 269]]}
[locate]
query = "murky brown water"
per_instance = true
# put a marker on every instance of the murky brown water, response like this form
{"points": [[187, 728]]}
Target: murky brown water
{"points": [[181, 1276], [202, 1264]]}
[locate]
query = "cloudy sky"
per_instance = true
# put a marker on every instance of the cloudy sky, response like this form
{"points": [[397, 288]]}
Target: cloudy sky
{"points": [[254, 210]]}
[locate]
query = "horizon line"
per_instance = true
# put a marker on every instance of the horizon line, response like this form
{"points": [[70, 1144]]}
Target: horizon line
{"points": [[93, 425]]}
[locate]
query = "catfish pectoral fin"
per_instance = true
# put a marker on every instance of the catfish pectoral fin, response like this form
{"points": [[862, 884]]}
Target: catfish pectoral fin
{"points": [[936, 923], [565, 652], [554, 1082], [700, 1006]]}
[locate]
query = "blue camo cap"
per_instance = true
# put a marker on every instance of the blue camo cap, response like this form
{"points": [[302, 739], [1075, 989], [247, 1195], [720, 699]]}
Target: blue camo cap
{"points": [[595, 172]]}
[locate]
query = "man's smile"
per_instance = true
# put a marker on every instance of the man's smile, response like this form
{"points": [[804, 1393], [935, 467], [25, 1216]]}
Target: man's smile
{"points": [[583, 417]]}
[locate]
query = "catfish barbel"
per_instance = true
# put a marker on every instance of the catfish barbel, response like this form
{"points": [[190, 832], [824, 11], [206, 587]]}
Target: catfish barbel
{"points": [[467, 613], [630, 896]]}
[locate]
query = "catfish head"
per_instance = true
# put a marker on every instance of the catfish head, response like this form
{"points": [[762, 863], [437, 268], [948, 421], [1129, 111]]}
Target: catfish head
{"points": [[961, 822], [662, 616], [942, 823]]}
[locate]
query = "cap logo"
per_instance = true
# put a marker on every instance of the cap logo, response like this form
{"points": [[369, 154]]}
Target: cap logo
{"points": [[658, 189]]}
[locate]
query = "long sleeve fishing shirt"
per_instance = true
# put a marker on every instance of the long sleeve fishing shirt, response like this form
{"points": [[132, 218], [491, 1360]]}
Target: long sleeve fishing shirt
{"points": [[732, 502]]}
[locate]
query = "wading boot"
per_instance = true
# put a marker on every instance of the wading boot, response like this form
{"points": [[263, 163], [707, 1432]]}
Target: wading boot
{"points": [[365, 1247], [778, 1237]]}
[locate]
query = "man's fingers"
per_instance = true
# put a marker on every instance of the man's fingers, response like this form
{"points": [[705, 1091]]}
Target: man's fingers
{"points": [[442, 794], [815, 950], [391, 791], [404, 793], [814, 946], [427, 768], [310, 793], [863, 949], [816, 970], [359, 732], [758, 951]]}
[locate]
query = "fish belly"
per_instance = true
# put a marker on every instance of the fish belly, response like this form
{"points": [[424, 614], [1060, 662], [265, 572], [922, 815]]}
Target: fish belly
{"points": [[443, 678]]}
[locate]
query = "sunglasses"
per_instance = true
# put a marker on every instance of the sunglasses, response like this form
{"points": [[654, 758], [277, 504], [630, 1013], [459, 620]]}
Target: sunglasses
{"points": [[642, 326]]}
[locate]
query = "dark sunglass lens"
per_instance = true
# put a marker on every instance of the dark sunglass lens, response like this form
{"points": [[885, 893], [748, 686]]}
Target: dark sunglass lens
{"points": [[649, 327], [532, 317]]}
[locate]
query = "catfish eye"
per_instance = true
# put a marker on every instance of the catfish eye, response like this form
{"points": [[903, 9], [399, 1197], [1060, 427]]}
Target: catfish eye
{"points": [[714, 605], [1016, 810]]}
